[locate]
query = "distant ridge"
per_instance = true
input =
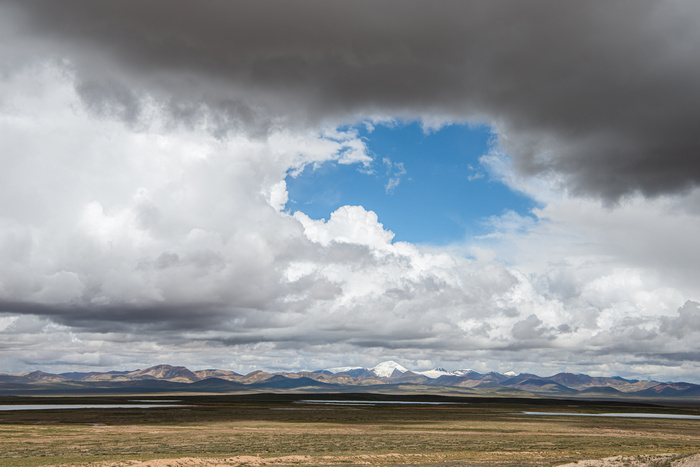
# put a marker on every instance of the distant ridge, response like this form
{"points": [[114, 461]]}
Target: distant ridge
{"points": [[385, 376]]}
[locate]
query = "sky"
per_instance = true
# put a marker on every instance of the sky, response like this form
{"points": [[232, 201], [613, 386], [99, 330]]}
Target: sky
{"points": [[426, 186], [503, 185]]}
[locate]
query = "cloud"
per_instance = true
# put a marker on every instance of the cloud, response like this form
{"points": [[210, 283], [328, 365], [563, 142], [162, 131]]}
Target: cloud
{"points": [[659, 236], [529, 328], [95, 214], [394, 170], [348, 224], [686, 323], [604, 98]]}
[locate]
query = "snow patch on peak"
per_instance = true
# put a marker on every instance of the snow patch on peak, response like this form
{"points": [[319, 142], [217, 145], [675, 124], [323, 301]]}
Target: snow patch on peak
{"points": [[434, 373], [510, 373], [386, 369], [343, 369]]}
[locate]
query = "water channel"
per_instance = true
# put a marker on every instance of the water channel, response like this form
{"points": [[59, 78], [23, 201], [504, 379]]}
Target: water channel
{"points": [[621, 415]]}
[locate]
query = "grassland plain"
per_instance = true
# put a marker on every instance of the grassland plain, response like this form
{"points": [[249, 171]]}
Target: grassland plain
{"points": [[276, 429]]}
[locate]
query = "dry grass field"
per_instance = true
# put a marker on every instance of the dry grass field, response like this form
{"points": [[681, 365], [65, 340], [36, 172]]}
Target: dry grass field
{"points": [[278, 430]]}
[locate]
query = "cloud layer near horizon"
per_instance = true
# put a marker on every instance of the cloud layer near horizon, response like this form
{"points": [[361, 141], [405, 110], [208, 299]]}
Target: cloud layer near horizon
{"points": [[145, 144]]}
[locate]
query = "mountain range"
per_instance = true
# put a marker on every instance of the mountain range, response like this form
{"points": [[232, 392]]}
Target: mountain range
{"points": [[385, 377]]}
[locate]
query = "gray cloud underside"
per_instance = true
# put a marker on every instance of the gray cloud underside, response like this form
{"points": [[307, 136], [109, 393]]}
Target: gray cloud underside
{"points": [[603, 95], [416, 333]]}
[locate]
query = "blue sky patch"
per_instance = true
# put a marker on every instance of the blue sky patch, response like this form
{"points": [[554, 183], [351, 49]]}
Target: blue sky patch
{"points": [[425, 187]]}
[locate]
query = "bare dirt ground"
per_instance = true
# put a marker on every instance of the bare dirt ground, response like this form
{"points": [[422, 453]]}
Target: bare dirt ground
{"points": [[253, 461], [639, 461]]}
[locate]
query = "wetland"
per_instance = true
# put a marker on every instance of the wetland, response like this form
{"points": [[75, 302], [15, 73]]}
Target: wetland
{"points": [[352, 429]]}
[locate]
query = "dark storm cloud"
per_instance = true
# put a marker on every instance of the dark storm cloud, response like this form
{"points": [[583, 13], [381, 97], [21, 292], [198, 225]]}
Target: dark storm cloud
{"points": [[124, 318], [605, 95]]}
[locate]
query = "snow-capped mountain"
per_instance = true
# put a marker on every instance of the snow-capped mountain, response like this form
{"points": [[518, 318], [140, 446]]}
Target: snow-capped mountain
{"points": [[435, 373], [382, 370], [465, 372], [387, 369]]}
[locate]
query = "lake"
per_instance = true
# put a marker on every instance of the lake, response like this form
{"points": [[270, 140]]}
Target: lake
{"points": [[368, 402], [83, 406]]}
